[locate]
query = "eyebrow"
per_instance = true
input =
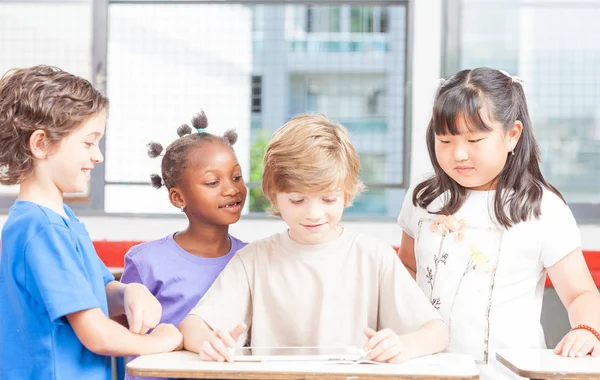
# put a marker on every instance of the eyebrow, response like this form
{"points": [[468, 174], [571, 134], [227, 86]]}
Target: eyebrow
{"points": [[212, 170]]}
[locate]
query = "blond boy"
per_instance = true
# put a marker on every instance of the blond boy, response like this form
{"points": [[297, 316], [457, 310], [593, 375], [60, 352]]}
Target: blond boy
{"points": [[314, 284]]}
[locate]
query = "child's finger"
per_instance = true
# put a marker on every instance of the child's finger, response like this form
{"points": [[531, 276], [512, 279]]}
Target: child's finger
{"points": [[134, 318], [377, 338], [369, 332], [575, 348], [585, 349], [225, 337], [569, 340], [559, 346], [380, 348], [596, 350], [238, 331], [208, 353], [388, 354], [220, 347]]}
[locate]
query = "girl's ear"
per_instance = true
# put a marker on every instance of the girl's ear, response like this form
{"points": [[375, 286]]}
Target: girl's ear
{"points": [[176, 197], [38, 144], [514, 134]]}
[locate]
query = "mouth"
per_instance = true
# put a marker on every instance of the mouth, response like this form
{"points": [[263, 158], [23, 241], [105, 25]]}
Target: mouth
{"points": [[312, 226], [233, 204], [464, 169], [86, 170]]}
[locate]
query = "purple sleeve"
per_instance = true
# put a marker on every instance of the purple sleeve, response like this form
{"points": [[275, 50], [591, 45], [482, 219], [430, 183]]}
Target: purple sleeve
{"points": [[130, 273]]}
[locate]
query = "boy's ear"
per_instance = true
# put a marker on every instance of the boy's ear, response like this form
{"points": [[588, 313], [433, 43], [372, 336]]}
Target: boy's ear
{"points": [[38, 144], [176, 198]]}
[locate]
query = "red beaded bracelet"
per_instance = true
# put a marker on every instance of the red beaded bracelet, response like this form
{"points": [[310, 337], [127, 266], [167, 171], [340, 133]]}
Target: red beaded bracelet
{"points": [[588, 328]]}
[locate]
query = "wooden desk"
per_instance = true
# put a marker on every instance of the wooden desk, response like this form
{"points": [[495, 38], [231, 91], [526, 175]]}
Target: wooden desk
{"points": [[184, 364], [545, 364]]}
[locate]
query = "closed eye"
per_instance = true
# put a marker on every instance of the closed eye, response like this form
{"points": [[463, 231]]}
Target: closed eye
{"points": [[296, 202], [475, 141], [444, 141], [212, 184], [329, 200]]}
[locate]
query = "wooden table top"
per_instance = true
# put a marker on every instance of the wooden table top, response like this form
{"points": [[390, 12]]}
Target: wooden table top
{"points": [[184, 364]]}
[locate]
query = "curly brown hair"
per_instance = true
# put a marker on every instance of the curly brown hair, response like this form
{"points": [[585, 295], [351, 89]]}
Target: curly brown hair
{"points": [[40, 97]]}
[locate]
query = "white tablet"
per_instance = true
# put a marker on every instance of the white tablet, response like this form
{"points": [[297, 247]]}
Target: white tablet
{"points": [[342, 354]]}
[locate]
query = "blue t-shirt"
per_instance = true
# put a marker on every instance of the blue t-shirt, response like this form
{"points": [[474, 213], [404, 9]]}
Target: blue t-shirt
{"points": [[48, 269]]}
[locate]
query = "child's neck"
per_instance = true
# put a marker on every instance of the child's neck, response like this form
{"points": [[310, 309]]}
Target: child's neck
{"points": [[204, 241], [51, 197]]}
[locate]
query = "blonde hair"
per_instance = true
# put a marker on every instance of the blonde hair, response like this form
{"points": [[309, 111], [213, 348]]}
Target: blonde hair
{"points": [[313, 154]]}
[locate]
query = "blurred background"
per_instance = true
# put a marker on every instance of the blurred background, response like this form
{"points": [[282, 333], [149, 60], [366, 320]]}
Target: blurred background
{"points": [[251, 65]]}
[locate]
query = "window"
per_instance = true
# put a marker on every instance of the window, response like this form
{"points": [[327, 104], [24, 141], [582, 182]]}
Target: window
{"points": [[51, 32], [559, 66], [256, 94]]}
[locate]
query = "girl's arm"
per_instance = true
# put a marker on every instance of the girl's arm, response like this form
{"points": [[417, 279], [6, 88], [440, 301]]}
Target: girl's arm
{"points": [[407, 254], [575, 287], [103, 336]]}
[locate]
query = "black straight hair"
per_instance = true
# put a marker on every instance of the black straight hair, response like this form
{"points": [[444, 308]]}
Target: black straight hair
{"points": [[465, 96]]}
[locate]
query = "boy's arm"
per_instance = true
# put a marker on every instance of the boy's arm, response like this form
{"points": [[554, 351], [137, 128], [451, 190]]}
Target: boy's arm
{"points": [[103, 336], [195, 332], [432, 337], [404, 309]]}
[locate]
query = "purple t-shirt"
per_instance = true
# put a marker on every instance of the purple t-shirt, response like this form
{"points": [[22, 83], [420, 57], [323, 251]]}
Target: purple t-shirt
{"points": [[177, 278]]}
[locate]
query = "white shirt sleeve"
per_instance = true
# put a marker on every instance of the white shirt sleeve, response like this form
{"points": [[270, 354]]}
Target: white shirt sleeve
{"points": [[561, 235], [227, 303]]}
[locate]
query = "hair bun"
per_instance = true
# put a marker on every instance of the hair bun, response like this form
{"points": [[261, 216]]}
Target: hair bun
{"points": [[154, 149], [199, 121], [183, 130], [156, 181]]}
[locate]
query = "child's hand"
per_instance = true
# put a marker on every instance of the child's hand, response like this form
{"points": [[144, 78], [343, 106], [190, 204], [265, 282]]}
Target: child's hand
{"points": [[168, 335], [578, 343], [217, 347], [142, 309], [384, 346]]}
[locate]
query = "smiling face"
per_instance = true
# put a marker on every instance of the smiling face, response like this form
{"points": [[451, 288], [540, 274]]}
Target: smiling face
{"points": [[313, 218], [68, 165], [211, 189]]}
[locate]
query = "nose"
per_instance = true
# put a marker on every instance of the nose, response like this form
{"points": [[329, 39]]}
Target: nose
{"points": [[461, 153], [314, 211], [230, 189], [97, 156]]}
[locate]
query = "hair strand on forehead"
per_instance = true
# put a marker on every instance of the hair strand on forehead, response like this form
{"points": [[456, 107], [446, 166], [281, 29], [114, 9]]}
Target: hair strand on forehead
{"points": [[311, 153], [469, 98]]}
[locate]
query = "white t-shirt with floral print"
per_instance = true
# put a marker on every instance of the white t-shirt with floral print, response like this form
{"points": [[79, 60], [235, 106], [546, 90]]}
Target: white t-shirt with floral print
{"points": [[488, 283]]}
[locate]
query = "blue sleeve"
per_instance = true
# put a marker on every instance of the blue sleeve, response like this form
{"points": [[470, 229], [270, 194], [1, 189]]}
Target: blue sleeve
{"points": [[106, 274], [130, 273], [55, 272]]}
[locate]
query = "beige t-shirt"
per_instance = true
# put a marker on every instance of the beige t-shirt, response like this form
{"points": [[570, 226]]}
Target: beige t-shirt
{"points": [[290, 294]]}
